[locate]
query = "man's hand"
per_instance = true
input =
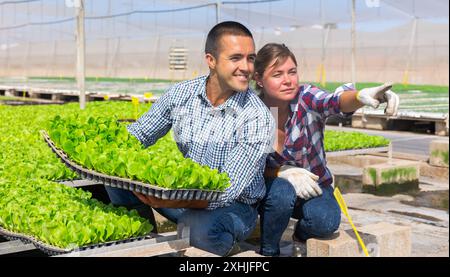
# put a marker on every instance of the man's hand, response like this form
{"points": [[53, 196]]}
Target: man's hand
{"points": [[160, 203], [303, 181], [373, 97]]}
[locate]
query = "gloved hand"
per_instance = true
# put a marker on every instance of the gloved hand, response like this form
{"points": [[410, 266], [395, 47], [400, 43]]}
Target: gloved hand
{"points": [[373, 97], [303, 181]]}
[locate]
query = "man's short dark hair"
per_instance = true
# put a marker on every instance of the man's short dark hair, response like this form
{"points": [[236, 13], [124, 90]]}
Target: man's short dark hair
{"points": [[224, 28]]}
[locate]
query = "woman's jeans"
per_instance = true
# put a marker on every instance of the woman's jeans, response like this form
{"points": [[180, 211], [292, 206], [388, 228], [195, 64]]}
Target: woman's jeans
{"points": [[318, 217], [215, 231]]}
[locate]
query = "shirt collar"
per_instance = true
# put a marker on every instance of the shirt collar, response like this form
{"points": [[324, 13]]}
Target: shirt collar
{"points": [[294, 102], [235, 101]]}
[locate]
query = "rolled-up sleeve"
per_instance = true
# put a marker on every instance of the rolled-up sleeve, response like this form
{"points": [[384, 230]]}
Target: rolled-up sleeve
{"points": [[156, 122], [324, 103]]}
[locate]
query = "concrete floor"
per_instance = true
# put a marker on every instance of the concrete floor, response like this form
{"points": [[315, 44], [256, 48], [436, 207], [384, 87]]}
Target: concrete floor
{"points": [[429, 226], [429, 238]]}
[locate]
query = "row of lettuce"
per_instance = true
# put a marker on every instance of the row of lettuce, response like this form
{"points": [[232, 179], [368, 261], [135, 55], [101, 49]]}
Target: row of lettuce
{"points": [[64, 217], [33, 204], [104, 145]]}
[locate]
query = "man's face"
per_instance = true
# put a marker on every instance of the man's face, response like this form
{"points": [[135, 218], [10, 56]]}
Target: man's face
{"points": [[235, 62]]}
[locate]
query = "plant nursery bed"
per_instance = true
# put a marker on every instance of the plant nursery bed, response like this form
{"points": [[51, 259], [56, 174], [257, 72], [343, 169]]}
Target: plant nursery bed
{"points": [[53, 250]]}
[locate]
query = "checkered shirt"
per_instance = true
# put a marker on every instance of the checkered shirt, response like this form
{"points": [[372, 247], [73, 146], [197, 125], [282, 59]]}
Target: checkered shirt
{"points": [[303, 146], [234, 137]]}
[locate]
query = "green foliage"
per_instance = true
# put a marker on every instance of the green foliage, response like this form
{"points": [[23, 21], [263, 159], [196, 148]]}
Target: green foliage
{"points": [[373, 175], [63, 216], [31, 205], [104, 145], [442, 154], [394, 174], [23, 153], [338, 141]]}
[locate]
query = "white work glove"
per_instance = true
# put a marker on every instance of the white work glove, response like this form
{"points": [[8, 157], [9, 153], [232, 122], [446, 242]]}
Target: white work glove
{"points": [[373, 97], [303, 181]]}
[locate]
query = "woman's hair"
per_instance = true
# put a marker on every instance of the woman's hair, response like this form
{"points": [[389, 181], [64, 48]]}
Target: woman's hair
{"points": [[271, 51]]}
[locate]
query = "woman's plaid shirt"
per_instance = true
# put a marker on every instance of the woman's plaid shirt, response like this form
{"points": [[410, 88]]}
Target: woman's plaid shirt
{"points": [[303, 145]]}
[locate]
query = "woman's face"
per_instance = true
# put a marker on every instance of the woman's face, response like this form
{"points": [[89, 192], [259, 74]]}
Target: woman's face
{"points": [[281, 82]]}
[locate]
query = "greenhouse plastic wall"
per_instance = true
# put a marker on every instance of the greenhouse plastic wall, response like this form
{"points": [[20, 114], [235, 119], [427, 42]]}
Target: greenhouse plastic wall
{"points": [[396, 40]]}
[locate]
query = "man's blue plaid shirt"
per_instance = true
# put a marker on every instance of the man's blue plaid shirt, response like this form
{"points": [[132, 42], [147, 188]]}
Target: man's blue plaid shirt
{"points": [[234, 137]]}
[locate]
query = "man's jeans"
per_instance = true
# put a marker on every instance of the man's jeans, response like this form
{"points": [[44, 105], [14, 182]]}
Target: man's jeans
{"points": [[215, 231], [317, 217]]}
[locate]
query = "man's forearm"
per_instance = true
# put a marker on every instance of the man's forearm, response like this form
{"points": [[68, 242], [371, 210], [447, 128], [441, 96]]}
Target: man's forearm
{"points": [[348, 102]]}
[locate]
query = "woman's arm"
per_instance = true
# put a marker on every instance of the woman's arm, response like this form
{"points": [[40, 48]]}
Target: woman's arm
{"points": [[352, 100], [348, 102]]}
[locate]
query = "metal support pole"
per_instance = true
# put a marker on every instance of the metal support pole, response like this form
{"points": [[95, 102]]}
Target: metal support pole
{"points": [[52, 61], [106, 66], [112, 66], [353, 33], [81, 44], [410, 51], [322, 72], [107, 70], [26, 62], [218, 12], [155, 56], [321, 69], [8, 45]]}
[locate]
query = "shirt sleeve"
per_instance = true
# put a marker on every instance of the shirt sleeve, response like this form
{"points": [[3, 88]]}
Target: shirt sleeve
{"points": [[155, 123], [245, 163], [324, 103]]}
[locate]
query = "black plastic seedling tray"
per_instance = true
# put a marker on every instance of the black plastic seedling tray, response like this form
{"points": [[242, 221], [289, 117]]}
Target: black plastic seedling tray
{"points": [[132, 185], [53, 250]]}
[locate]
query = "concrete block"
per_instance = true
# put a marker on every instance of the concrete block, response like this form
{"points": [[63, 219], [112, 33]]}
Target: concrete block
{"points": [[248, 254], [440, 128], [439, 153], [358, 160], [391, 178], [196, 252], [386, 239], [348, 184], [341, 244], [435, 172], [376, 123], [34, 95], [10, 93], [57, 97]]}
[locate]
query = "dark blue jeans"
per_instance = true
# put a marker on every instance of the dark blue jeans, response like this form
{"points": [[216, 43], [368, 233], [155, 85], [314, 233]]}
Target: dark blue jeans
{"points": [[215, 231], [318, 217]]}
